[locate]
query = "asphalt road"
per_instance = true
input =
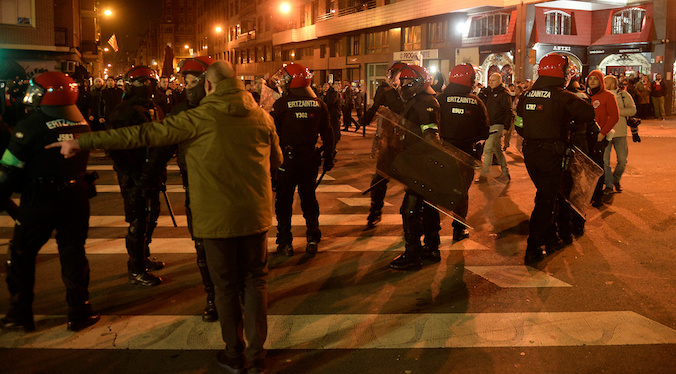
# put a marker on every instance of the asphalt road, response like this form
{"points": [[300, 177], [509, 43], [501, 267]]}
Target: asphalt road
{"points": [[605, 304]]}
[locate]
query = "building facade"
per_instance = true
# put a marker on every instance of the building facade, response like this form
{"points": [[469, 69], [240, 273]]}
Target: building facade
{"points": [[357, 40], [42, 35]]}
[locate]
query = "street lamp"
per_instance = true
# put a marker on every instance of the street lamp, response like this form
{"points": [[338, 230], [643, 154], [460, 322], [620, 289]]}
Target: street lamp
{"points": [[218, 29], [285, 8], [106, 49], [186, 46], [108, 12]]}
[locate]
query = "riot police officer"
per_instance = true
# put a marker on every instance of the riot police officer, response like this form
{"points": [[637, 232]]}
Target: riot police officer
{"points": [[194, 73], [464, 123], [299, 117], [54, 196], [422, 109], [547, 111], [386, 95], [137, 173]]}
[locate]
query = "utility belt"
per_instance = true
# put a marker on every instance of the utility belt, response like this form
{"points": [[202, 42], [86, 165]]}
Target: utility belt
{"points": [[553, 145], [298, 150], [53, 185]]}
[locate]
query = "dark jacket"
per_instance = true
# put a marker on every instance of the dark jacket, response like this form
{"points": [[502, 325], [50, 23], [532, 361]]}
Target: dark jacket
{"points": [[299, 120], [464, 119], [498, 104], [547, 111], [387, 97]]}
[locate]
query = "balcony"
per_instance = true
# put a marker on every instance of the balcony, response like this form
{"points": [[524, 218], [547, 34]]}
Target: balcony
{"points": [[359, 6]]}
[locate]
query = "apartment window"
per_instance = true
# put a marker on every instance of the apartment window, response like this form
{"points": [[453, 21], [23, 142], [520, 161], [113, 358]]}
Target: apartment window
{"points": [[354, 45], [411, 38], [260, 53], [268, 53], [277, 53], [377, 42], [557, 23], [628, 20], [489, 25], [16, 12], [437, 34], [340, 47]]}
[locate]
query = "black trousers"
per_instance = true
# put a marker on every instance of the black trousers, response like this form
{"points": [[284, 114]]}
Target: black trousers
{"points": [[199, 248], [239, 270], [419, 219], [141, 211], [43, 210], [543, 162], [300, 171], [378, 194]]}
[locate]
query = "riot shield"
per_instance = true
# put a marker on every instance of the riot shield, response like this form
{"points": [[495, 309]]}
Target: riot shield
{"points": [[439, 172], [580, 181], [268, 97]]}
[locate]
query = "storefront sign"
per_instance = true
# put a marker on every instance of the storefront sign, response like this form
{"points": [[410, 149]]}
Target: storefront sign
{"points": [[413, 55], [612, 49]]}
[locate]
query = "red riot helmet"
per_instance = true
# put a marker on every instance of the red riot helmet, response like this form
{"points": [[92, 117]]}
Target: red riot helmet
{"points": [[553, 65], [141, 82], [462, 74], [414, 80], [51, 88], [293, 76], [196, 66], [393, 72]]}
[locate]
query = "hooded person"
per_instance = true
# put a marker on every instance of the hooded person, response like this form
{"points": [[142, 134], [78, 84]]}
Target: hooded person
{"points": [[607, 114]]}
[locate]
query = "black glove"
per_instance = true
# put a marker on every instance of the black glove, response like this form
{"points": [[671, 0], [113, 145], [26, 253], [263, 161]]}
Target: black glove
{"points": [[634, 135], [328, 165]]}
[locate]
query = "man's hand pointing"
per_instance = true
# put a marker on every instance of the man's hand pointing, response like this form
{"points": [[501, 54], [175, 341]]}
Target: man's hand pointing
{"points": [[69, 148]]}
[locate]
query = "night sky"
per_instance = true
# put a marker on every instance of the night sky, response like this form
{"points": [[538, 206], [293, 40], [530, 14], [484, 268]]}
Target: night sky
{"points": [[130, 19]]}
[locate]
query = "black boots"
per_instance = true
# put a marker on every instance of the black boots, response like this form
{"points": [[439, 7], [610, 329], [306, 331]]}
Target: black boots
{"points": [[406, 261]]}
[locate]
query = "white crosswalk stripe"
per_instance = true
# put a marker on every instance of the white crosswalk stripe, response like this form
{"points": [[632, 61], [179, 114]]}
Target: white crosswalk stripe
{"points": [[328, 244], [358, 331], [296, 220]]}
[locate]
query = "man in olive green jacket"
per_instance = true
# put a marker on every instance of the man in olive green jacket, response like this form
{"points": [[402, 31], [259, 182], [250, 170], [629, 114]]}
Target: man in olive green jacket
{"points": [[231, 145]]}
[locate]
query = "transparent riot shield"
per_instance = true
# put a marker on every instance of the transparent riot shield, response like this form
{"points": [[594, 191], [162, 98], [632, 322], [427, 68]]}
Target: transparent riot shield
{"points": [[268, 97], [439, 172], [580, 181]]}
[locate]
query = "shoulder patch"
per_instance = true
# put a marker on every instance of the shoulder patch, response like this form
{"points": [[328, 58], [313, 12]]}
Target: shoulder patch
{"points": [[19, 135], [430, 109]]}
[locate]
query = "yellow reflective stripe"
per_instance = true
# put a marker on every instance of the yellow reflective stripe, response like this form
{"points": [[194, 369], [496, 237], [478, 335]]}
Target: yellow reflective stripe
{"points": [[432, 126], [9, 159]]}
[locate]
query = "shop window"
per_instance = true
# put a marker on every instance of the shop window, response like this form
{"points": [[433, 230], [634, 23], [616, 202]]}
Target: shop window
{"points": [[437, 34], [558, 23], [628, 20], [377, 42], [411, 38], [489, 25]]}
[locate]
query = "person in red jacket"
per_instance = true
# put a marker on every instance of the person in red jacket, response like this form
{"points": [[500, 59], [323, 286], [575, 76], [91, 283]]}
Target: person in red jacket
{"points": [[607, 115]]}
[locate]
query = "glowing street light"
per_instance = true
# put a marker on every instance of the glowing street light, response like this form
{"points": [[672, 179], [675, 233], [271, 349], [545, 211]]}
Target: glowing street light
{"points": [[218, 29], [108, 12], [106, 49], [186, 46], [285, 8]]}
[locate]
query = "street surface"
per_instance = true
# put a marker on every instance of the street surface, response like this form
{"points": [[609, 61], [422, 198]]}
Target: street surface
{"points": [[605, 304]]}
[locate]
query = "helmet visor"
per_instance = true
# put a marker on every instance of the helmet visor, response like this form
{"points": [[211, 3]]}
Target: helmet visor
{"points": [[34, 94]]}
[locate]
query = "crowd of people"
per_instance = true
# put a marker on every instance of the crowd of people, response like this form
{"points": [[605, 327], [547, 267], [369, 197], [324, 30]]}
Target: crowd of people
{"points": [[239, 164]]}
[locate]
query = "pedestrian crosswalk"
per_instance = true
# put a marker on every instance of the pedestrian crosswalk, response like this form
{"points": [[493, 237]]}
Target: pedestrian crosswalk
{"points": [[366, 318]]}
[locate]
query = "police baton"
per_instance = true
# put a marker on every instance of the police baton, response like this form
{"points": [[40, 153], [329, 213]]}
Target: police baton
{"points": [[171, 211], [373, 186], [320, 179]]}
